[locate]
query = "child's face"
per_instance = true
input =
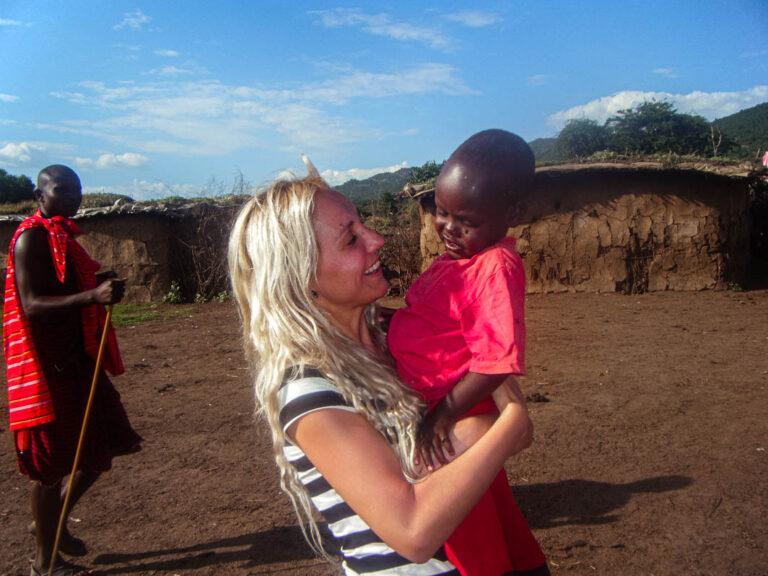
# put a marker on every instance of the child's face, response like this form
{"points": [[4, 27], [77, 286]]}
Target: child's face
{"points": [[467, 222]]}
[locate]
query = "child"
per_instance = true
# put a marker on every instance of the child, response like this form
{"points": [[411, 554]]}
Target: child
{"points": [[52, 318], [462, 333]]}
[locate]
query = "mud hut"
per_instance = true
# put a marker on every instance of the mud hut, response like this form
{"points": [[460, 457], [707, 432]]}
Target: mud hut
{"points": [[152, 245], [626, 228]]}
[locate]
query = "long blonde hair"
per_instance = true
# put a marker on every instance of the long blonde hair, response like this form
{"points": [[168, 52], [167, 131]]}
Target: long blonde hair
{"points": [[272, 263]]}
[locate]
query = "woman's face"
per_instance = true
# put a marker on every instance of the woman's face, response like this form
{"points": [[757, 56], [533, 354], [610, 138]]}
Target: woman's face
{"points": [[349, 273]]}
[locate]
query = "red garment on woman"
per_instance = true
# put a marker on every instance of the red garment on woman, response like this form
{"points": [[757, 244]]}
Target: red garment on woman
{"points": [[462, 316]]}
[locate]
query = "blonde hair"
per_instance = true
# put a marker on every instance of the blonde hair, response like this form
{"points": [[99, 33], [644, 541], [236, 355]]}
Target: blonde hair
{"points": [[272, 262]]}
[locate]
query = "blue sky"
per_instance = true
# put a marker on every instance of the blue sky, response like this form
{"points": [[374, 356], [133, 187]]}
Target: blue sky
{"points": [[158, 98]]}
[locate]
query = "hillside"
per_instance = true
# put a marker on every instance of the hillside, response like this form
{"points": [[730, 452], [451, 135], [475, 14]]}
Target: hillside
{"points": [[544, 150], [748, 127], [375, 186]]}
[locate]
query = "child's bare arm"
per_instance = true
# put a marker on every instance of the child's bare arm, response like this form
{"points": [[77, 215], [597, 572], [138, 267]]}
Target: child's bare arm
{"points": [[434, 439]]}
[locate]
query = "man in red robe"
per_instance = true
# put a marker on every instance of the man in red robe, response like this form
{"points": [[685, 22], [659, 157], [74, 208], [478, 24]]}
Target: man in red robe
{"points": [[52, 322]]}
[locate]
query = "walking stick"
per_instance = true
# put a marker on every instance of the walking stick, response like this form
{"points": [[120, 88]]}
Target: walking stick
{"points": [[86, 417]]}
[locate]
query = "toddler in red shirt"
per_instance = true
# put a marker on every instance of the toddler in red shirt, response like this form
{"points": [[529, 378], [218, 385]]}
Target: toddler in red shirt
{"points": [[462, 334]]}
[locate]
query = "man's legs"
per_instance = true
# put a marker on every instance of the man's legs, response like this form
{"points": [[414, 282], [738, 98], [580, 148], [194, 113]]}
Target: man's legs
{"points": [[84, 479], [46, 510], [46, 504]]}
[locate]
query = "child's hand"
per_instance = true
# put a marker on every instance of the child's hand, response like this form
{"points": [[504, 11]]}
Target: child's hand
{"points": [[434, 447]]}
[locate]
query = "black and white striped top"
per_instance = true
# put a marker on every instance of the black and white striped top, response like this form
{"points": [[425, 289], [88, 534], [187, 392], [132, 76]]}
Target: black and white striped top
{"points": [[363, 551]]}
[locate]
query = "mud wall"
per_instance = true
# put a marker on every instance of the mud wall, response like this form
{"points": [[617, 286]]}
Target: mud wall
{"points": [[626, 230], [150, 249]]}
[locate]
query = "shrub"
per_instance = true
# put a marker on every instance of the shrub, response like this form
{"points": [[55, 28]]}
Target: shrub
{"points": [[174, 294]]}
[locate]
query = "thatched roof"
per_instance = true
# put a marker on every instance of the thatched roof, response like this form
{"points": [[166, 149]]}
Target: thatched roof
{"points": [[726, 169]]}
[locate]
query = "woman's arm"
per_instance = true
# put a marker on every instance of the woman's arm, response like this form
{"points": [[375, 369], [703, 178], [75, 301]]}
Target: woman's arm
{"points": [[413, 519]]}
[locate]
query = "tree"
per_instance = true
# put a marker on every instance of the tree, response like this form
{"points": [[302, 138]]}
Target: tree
{"points": [[653, 127], [425, 172], [581, 137], [15, 188]]}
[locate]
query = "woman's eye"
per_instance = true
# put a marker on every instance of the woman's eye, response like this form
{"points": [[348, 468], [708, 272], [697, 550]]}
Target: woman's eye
{"points": [[352, 240]]}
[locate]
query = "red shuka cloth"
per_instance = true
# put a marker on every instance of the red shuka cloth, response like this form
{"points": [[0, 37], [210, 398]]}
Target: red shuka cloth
{"points": [[29, 400]]}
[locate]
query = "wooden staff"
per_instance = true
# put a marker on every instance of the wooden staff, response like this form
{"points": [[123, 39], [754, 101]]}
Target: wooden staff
{"points": [[86, 417]]}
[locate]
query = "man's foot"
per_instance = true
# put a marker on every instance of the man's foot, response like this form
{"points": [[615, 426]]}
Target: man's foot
{"points": [[69, 545], [62, 569]]}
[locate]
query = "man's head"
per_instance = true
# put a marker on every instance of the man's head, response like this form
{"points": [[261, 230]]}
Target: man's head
{"points": [[481, 191], [58, 191]]}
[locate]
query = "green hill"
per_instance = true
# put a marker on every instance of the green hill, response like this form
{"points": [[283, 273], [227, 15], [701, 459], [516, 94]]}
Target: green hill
{"points": [[748, 127], [375, 186], [544, 150]]}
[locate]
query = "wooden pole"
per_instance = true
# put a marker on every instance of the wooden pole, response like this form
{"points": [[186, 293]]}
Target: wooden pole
{"points": [[76, 463]]}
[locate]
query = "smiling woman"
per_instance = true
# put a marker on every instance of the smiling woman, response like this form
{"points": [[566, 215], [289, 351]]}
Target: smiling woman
{"points": [[304, 272]]}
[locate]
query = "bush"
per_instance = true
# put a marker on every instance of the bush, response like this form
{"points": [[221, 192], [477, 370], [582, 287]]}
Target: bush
{"points": [[14, 189], [399, 223], [174, 294], [581, 138], [102, 199], [425, 172]]}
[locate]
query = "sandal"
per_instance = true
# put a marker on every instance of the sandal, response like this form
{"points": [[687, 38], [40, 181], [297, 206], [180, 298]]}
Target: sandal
{"points": [[62, 569]]}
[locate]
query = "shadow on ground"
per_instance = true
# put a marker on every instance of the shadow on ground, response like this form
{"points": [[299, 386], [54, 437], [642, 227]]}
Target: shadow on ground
{"points": [[585, 501], [280, 544]]}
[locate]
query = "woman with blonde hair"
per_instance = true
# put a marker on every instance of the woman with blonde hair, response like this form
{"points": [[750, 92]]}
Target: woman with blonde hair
{"points": [[305, 271]]}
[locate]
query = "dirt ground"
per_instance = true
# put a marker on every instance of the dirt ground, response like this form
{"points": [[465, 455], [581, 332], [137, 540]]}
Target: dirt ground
{"points": [[650, 454]]}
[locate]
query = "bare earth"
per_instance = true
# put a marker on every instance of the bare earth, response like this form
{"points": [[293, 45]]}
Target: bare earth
{"points": [[651, 455]]}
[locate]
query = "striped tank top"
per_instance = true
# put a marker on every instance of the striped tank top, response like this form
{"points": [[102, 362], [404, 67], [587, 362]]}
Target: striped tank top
{"points": [[362, 550]]}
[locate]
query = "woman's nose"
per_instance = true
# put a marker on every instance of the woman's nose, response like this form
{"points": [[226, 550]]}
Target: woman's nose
{"points": [[375, 241]]}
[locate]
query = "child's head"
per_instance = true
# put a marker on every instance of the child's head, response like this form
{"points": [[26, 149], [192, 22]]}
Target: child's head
{"points": [[481, 190], [58, 191]]}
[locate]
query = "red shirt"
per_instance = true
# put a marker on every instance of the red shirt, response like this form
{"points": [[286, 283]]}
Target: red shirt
{"points": [[461, 316]]}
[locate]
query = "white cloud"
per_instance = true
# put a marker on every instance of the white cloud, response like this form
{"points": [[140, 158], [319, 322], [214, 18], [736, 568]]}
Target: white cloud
{"points": [[711, 105], [16, 153], [383, 25], [335, 177], [19, 151], [422, 79], [9, 22], [133, 20], [143, 190], [106, 161], [666, 72], [474, 18], [168, 53], [208, 117], [538, 80], [170, 71], [8, 98], [6, 122]]}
